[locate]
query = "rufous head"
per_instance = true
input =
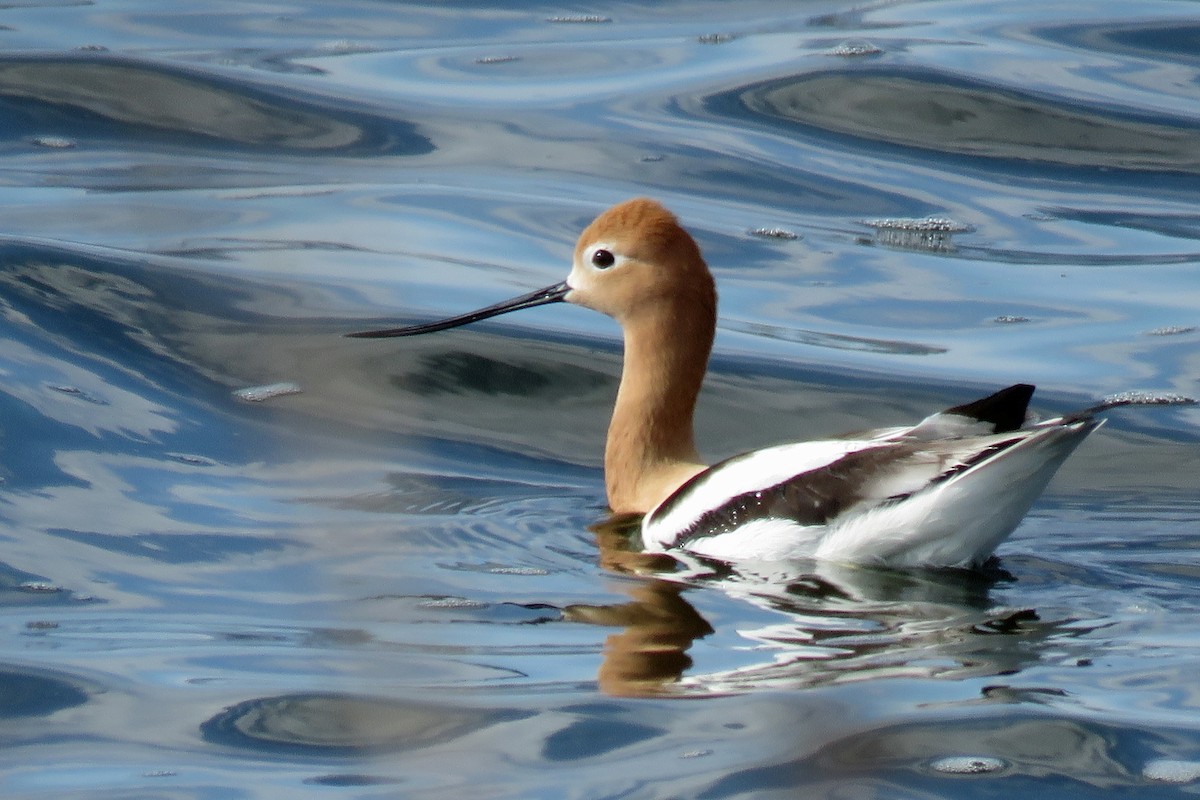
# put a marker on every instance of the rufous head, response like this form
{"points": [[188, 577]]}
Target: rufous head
{"points": [[636, 256]]}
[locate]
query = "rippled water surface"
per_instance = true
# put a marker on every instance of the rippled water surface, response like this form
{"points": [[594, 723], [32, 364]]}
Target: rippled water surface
{"points": [[385, 569]]}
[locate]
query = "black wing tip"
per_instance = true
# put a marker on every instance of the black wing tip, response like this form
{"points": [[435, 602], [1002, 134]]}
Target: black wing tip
{"points": [[1004, 410]]}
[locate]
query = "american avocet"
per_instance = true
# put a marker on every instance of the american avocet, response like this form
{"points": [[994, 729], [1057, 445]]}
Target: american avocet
{"points": [[943, 492]]}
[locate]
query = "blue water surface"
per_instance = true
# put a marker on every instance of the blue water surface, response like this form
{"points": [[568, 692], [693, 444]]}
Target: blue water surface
{"points": [[390, 573]]}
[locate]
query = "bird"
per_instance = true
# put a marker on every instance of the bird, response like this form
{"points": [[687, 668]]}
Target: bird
{"points": [[945, 492]]}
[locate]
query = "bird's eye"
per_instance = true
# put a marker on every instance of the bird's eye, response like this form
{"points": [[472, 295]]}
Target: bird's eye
{"points": [[603, 259]]}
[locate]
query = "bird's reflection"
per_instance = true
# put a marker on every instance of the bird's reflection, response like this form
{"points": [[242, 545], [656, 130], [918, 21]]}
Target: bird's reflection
{"points": [[835, 623], [650, 654]]}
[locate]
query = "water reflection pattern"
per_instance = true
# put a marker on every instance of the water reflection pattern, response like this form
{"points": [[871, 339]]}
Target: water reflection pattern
{"points": [[387, 579]]}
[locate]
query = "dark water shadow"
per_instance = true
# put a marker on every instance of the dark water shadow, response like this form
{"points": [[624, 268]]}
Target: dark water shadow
{"points": [[1175, 41], [951, 114], [26, 693], [459, 372], [332, 724], [108, 98]]}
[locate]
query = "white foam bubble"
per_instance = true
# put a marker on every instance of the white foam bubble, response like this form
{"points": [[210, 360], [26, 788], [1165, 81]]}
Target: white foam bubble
{"points": [[967, 765], [1140, 398], [259, 394], [1171, 770], [922, 225], [774, 233], [856, 48]]}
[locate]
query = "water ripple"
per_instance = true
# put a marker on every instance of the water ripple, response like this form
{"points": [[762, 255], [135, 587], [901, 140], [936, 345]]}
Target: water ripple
{"points": [[952, 114], [97, 98]]}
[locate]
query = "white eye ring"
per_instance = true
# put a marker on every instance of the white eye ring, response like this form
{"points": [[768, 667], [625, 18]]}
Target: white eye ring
{"points": [[601, 256]]}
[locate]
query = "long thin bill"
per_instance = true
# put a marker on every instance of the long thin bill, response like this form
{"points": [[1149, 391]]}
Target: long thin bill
{"points": [[551, 294]]}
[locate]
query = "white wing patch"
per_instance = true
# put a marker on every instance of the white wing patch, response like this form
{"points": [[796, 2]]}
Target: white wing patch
{"points": [[762, 539], [739, 475]]}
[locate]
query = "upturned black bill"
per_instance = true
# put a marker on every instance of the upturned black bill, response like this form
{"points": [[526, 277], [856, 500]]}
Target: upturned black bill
{"points": [[550, 294]]}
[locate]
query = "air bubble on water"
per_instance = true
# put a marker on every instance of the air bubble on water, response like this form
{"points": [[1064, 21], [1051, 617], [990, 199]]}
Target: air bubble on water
{"points": [[579, 19], [695, 753], [54, 142], [1172, 330], [518, 571], [41, 625], [192, 460], [39, 587], [339, 46], [75, 391], [451, 603], [967, 765], [1139, 398], [774, 233], [922, 225], [1171, 770], [855, 48], [259, 394], [930, 234]]}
